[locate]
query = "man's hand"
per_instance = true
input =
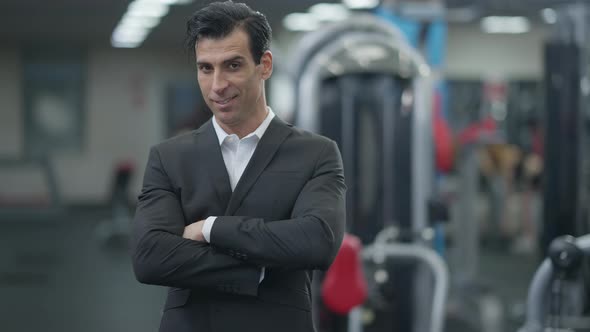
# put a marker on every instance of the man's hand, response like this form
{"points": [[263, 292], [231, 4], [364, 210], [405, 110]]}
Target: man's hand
{"points": [[194, 231]]}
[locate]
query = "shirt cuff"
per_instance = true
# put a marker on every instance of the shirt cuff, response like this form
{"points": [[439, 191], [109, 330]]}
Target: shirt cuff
{"points": [[207, 225], [262, 274]]}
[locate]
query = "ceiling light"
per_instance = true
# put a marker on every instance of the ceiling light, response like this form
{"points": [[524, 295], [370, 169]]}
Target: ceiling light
{"points": [[124, 44], [329, 12], [360, 4], [549, 15], [505, 24], [140, 21], [126, 34], [301, 22], [141, 16], [147, 8]]}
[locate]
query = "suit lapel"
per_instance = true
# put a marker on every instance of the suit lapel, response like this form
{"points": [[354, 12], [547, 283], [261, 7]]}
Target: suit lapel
{"points": [[268, 145], [210, 152]]}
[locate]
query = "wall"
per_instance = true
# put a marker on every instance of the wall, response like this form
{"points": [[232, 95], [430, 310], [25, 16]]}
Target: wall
{"points": [[124, 116], [472, 54]]}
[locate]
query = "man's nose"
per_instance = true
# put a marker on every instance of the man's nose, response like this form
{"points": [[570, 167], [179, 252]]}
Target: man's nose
{"points": [[219, 83]]}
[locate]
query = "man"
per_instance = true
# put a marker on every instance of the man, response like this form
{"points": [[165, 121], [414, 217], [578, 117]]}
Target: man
{"points": [[234, 216]]}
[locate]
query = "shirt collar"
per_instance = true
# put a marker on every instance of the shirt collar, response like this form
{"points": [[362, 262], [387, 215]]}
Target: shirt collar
{"points": [[221, 134]]}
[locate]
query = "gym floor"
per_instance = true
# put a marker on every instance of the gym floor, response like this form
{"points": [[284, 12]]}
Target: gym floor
{"points": [[56, 276]]}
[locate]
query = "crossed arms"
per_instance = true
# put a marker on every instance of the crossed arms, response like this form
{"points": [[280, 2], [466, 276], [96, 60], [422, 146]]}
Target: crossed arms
{"points": [[239, 245]]}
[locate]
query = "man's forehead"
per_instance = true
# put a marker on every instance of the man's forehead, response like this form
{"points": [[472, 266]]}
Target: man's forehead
{"points": [[211, 55], [237, 37], [220, 53]]}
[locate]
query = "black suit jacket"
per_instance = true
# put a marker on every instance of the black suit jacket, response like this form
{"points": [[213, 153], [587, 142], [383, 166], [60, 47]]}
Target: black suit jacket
{"points": [[287, 214]]}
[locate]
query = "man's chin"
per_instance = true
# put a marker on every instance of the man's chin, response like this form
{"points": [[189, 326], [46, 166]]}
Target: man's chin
{"points": [[226, 118]]}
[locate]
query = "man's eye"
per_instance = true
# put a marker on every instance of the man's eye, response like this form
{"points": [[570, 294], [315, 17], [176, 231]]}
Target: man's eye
{"points": [[205, 68], [234, 65]]}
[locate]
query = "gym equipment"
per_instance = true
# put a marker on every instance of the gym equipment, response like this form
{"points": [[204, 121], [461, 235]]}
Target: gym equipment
{"points": [[566, 180], [559, 297], [466, 250], [344, 286], [360, 83], [384, 248], [443, 140], [472, 304], [115, 231]]}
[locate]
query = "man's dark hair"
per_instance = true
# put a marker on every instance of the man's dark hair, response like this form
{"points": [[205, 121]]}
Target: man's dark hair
{"points": [[219, 19]]}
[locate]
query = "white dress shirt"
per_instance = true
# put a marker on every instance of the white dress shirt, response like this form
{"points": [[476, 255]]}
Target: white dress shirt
{"points": [[236, 156]]}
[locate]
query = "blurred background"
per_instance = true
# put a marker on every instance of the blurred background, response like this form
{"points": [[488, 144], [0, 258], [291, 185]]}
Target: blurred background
{"points": [[498, 96]]}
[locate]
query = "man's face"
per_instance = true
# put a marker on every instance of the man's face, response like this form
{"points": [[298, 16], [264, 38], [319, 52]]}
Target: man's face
{"points": [[231, 82]]}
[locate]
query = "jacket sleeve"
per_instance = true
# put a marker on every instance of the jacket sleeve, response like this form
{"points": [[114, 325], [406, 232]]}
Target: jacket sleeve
{"points": [[310, 239], [161, 256]]}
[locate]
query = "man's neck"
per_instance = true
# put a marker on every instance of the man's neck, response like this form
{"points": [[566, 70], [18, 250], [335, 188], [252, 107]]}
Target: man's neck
{"points": [[244, 129]]}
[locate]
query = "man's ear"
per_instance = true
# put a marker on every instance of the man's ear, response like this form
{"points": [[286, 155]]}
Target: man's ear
{"points": [[266, 64]]}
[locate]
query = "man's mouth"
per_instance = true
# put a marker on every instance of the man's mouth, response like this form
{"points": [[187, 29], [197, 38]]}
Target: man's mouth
{"points": [[224, 101]]}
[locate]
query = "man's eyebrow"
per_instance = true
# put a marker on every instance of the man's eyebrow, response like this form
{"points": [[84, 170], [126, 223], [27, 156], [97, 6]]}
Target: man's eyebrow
{"points": [[236, 58], [232, 59]]}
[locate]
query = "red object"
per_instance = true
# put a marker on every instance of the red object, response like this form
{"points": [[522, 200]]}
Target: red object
{"points": [[495, 91], [443, 139], [344, 286], [537, 142], [472, 133], [126, 166]]}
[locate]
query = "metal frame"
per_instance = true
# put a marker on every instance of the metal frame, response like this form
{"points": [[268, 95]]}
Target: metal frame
{"points": [[315, 62], [383, 249], [409, 64], [540, 287]]}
